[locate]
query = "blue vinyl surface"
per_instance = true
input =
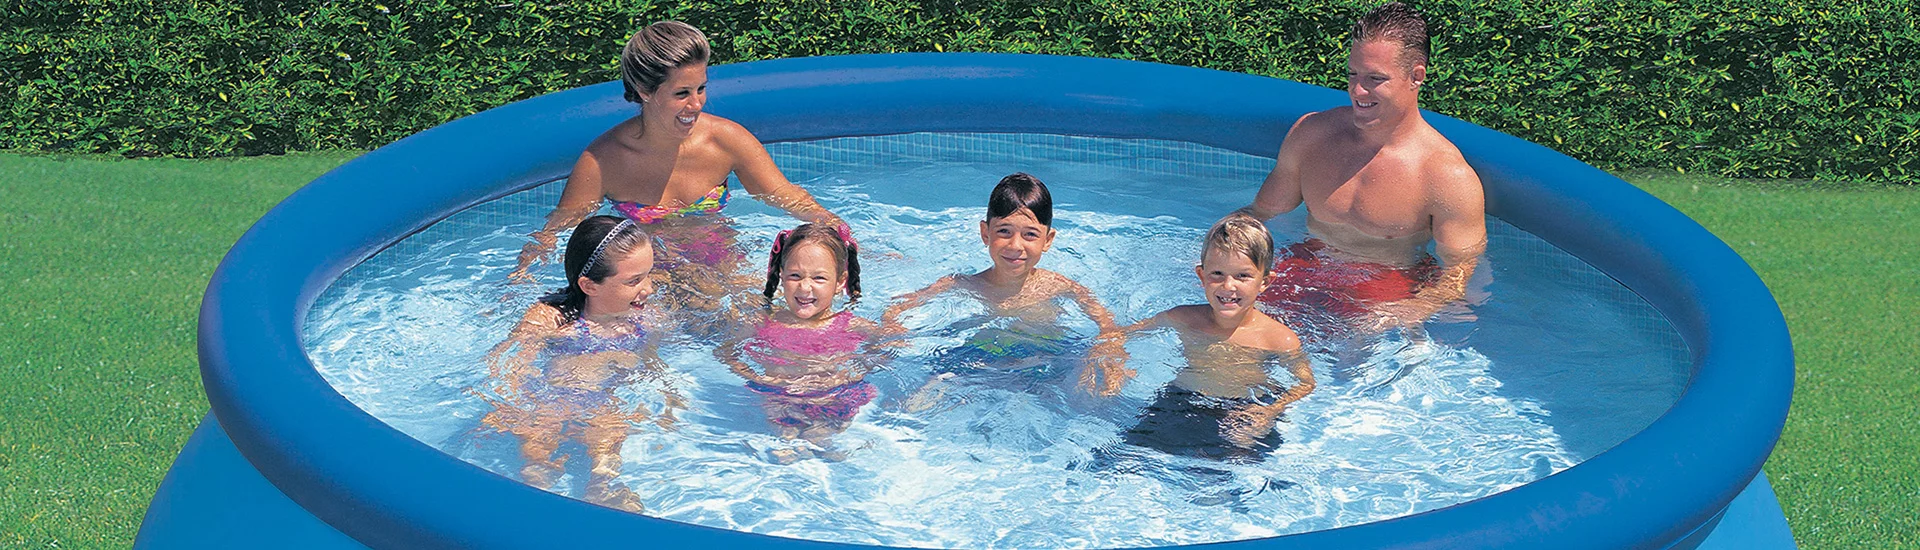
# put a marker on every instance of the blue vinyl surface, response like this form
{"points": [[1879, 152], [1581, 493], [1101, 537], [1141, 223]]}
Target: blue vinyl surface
{"points": [[387, 490], [212, 498]]}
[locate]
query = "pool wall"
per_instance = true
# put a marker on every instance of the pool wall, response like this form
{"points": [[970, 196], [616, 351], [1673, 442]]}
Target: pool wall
{"points": [[1660, 488]]}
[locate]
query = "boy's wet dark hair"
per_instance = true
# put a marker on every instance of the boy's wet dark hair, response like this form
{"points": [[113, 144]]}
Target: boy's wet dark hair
{"points": [[845, 253], [1021, 191], [595, 246]]}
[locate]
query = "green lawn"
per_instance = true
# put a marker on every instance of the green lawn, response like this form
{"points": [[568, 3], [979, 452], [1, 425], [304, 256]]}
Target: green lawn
{"points": [[104, 261], [1844, 263], [102, 266]]}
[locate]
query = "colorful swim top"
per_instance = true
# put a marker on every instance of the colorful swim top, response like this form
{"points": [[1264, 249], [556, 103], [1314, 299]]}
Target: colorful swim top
{"points": [[774, 341], [580, 340], [710, 203]]}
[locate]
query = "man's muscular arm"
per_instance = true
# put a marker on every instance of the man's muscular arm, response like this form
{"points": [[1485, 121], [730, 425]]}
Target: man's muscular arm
{"points": [[1280, 193], [1459, 211]]}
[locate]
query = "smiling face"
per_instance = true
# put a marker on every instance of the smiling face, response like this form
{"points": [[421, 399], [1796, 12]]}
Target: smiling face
{"points": [[676, 105], [1384, 90], [626, 290], [1231, 281], [810, 278], [1015, 242]]}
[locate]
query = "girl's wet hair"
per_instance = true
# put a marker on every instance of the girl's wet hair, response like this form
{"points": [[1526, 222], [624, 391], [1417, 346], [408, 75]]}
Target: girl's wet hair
{"points": [[654, 50], [845, 253], [597, 244], [1021, 191], [1239, 233]]}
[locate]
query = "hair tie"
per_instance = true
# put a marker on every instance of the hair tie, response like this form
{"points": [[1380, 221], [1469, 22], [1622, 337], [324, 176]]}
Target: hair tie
{"points": [[780, 241], [846, 234]]}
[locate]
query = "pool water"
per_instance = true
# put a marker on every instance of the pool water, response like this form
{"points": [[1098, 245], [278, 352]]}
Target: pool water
{"points": [[1548, 363]]}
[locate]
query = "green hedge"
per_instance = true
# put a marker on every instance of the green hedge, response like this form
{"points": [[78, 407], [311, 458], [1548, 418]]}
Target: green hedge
{"points": [[1736, 87]]}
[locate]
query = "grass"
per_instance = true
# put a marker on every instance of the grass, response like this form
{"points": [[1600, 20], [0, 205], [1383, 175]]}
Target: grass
{"points": [[102, 268], [104, 262], [1844, 263]]}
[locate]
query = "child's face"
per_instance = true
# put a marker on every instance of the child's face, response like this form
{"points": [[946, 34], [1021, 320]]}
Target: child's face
{"points": [[1230, 280], [627, 289], [1015, 241], [810, 278]]}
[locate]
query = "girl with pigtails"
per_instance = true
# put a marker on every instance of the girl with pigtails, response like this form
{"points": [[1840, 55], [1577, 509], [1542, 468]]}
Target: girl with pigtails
{"points": [[813, 357]]}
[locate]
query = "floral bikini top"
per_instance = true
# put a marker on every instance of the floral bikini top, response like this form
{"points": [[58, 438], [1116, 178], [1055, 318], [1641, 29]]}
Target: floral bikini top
{"points": [[710, 203]]}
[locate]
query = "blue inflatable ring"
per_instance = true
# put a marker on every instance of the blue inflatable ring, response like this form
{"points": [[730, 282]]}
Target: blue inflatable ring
{"points": [[1662, 487]]}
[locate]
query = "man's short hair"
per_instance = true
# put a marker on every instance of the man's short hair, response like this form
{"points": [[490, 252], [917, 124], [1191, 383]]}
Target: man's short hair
{"points": [[1398, 23]]}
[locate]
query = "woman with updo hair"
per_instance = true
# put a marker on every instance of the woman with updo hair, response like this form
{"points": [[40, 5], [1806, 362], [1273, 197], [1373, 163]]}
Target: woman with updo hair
{"points": [[667, 168]]}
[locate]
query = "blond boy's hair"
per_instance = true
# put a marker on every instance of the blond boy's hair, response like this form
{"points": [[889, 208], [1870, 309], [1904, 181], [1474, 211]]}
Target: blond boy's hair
{"points": [[1241, 234]]}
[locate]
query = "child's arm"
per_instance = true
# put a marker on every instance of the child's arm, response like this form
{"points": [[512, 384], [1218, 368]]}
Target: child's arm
{"points": [[652, 365], [1107, 360], [873, 351], [890, 321], [511, 361], [1243, 426], [1303, 376], [729, 354]]}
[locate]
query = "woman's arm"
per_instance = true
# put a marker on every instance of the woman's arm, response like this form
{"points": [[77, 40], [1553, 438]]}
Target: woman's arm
{"points": [[763, 179], [578, 199]]}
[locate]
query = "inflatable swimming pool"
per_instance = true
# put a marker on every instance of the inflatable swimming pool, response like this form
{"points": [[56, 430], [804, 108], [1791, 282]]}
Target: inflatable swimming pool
{"points": [[304, 464]]}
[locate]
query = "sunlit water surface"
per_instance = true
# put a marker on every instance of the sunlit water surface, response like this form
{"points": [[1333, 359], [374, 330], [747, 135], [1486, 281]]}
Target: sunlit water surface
{"points": [[1550, 363]]}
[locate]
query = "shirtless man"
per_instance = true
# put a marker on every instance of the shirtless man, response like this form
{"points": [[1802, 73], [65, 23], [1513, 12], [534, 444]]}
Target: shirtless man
{"points": [[1378, 183]]}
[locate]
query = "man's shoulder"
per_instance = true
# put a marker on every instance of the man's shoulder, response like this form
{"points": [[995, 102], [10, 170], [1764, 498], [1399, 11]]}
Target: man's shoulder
{"points": [[1322, 125], [1438, 162], [1446, 168]]}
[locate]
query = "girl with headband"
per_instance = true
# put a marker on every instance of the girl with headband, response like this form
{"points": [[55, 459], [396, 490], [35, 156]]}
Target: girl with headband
{"points": [[556, 373]]}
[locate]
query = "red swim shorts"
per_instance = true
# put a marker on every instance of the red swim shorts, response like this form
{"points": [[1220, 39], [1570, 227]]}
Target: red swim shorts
{"points": [[1307, 278]]}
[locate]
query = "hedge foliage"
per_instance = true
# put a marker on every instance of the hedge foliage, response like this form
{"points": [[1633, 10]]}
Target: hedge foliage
{"points": [[1746, 88]]}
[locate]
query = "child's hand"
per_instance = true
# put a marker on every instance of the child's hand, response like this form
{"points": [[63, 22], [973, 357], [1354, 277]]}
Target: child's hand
{"points": [[1243, 427], [891, 328], [521, 277], [817, 382], [1106, 371]]}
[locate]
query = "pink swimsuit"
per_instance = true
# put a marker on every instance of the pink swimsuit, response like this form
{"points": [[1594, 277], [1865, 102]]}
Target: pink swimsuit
{"points": [[777, 344]]}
